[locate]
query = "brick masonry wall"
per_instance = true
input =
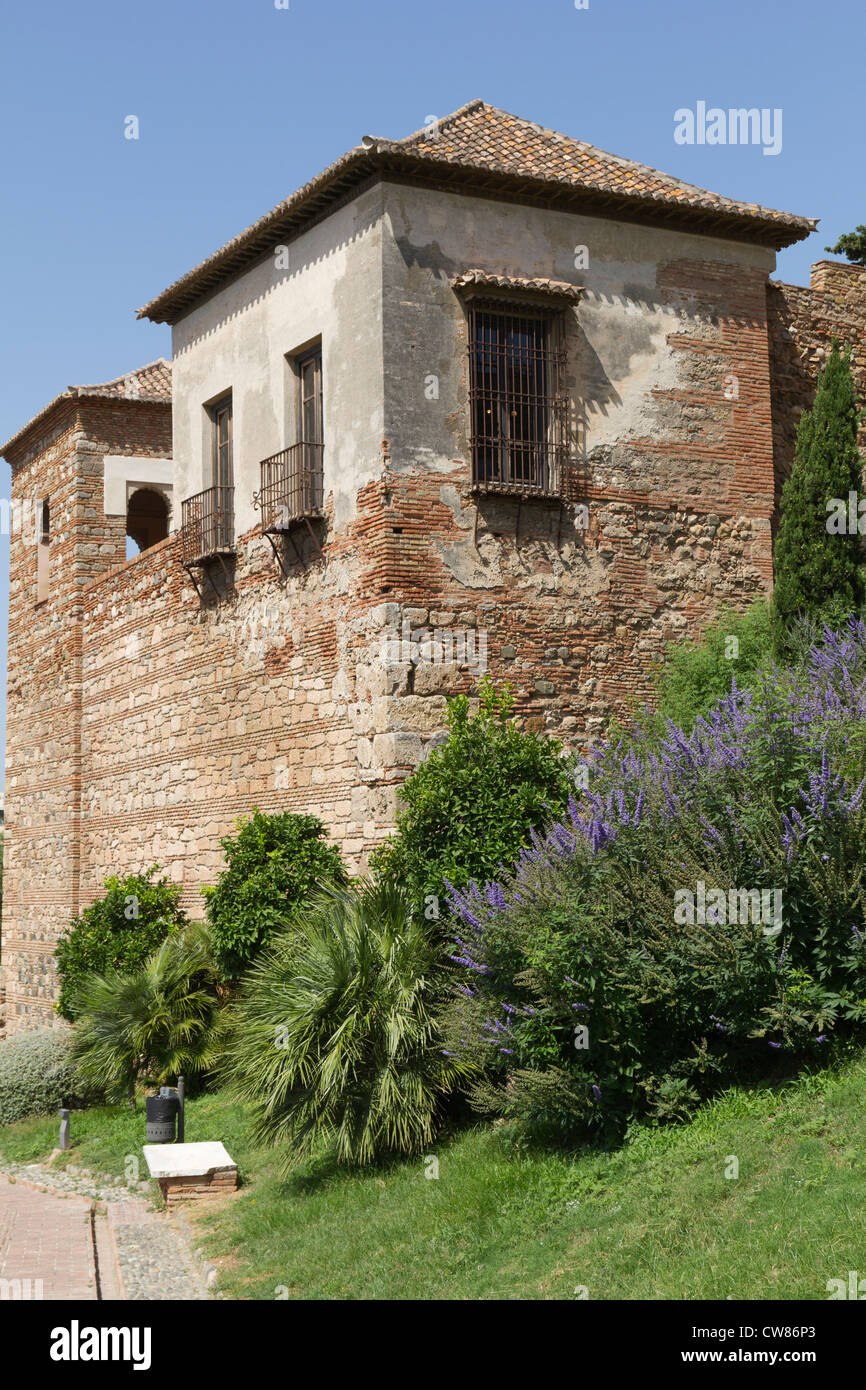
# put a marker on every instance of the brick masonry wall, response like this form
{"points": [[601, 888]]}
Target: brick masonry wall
{"points": [[182, 711], [196, 710], [222, 1182]]}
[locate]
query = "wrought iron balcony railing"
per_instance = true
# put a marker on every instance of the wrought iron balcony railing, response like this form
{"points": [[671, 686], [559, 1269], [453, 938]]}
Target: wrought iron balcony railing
{"points": [[207, 525], [292, 487]]}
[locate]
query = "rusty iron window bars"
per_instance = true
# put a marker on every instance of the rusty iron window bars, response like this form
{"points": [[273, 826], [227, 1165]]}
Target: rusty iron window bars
{"points": [[518, 400]]}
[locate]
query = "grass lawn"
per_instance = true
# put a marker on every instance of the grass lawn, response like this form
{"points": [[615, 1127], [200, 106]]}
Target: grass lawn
{"points": [[658, 1219]]}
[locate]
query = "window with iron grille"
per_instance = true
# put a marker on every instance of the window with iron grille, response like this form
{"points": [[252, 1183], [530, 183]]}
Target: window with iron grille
{"points": [[517, 398]]}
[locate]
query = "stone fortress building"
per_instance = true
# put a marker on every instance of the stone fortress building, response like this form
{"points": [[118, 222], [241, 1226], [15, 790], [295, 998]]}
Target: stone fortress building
{"points": [[486, 381]]}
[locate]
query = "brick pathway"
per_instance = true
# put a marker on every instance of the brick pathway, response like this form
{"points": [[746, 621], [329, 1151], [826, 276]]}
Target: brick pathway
{"points": [[45, 1238], [79, 1247]]}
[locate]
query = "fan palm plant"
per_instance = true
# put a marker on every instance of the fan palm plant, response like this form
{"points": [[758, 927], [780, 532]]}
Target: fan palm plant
{"points": [[336, 1035], [154, 1022]]}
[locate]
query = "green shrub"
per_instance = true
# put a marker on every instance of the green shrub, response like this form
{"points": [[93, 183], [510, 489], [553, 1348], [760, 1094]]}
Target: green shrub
{"points": [[274, 863], [336, 1034], [475, 801], [153, 1023], [672, 1010], [38, 1074], [697, 674], [701, 912], [116, 932]]}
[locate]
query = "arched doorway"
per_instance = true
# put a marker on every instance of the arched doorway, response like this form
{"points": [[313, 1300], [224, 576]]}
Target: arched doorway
{"points": [[146, 517]]}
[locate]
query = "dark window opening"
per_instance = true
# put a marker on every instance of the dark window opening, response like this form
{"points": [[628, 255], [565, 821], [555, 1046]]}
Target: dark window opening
{"points": [[517, 398], [146, 518], [306, 480]]}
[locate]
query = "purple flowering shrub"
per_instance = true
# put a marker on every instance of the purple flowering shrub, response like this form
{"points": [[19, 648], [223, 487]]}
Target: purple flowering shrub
{"points": [[699, 912]]}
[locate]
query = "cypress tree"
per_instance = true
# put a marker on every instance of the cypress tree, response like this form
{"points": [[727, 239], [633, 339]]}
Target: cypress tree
{"points": [[817, 553]]}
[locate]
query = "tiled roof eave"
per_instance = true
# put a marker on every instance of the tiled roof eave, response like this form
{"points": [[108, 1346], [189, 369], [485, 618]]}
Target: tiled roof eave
{"points": [[68, 401], [384, 159], [777, 228]]}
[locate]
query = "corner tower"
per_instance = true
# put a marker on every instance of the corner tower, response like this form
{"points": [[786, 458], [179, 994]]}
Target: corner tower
{"points": [[75, 467]]}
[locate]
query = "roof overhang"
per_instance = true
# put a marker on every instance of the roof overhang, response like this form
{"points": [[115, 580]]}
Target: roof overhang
{"points": [[385, 160]]}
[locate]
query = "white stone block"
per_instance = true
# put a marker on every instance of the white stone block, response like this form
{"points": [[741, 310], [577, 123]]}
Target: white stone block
{"points": [[186, 1160]]}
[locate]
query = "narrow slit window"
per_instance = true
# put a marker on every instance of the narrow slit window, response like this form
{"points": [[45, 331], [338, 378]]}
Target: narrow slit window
{"points": [[42, 552]]}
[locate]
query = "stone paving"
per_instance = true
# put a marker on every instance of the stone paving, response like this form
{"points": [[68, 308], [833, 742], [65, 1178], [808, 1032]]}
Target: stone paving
{"points": [[77, 1181], [154, 1259], [83, 1239]]}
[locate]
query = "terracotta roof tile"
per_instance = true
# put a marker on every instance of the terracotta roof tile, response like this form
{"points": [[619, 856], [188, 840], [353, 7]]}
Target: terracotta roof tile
{"points": [[515, 146], [560, 289], [512, 156], [149, 383]]}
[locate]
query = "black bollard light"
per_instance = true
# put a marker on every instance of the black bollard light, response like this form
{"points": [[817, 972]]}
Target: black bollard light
{"points": [[180, 1098], [65, 1141]]}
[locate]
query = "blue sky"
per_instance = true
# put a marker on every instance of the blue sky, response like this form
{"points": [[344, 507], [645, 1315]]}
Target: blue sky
{"points": [[240, 102]]}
